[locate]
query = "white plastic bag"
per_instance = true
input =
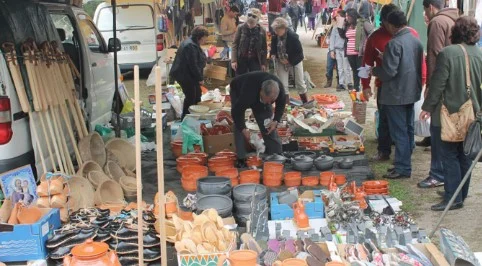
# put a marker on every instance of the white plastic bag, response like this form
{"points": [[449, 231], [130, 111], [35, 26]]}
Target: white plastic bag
{"points": [[417, 107], [422, 128], [151, 80]]}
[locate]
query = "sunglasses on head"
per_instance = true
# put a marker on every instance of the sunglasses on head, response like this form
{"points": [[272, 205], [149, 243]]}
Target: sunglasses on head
{"points": [[252, 16]]}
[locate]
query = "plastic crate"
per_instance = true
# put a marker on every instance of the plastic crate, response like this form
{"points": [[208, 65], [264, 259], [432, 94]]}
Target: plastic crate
{"points": [[313, 209], [127, 120], [27, 242]]}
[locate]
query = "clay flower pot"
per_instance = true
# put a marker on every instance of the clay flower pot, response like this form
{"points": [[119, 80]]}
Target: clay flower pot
{"points": [[241, 258], [189, 185], [325, 178], [232, 173], [185, 160], [176, 148], [249, 176], [194, 172], [218, 163], [340, 179], [310, 181], [377, 184], [292, 179], [273, 167], [227, 153], [201, 155], [272, 182]]}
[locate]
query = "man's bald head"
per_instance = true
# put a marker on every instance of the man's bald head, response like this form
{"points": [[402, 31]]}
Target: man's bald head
{"points": [[269, 91]]}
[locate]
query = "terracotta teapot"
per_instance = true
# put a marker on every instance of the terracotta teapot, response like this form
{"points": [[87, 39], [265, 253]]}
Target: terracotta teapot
{"points": [[300, 217], [240, 258], [360, 197], [93, 254]]}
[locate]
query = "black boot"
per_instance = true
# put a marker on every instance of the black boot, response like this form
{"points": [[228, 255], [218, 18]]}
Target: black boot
{"points": [[328, 83], [304, 98]]}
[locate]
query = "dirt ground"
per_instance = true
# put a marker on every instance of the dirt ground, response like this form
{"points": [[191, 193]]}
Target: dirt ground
{"points": [[466, 222]]}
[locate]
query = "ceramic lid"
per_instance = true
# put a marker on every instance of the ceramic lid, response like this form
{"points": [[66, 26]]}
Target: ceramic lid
{"points": [[276, 157], [324, 158], [303, 158], [90, 249]]}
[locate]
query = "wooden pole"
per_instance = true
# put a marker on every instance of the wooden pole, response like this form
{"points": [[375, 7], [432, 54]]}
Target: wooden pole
{"points": [[140, 222], [160, 168], [11, 57]]}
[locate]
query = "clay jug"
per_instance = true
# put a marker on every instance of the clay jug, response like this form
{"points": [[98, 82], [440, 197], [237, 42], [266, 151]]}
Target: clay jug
{"points": [[92, 254], [291, 262], [240, 258], [300, 217], [28, 215]]}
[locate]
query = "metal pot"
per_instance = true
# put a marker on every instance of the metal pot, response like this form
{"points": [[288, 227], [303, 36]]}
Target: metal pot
{"points": [[277, 158], [324, 163], [310, 154], [302, 163], [245, 192], [214, 185], [222, 204], [346, 163]]}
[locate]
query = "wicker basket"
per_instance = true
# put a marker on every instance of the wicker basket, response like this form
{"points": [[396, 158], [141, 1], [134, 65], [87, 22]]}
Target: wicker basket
{"points": [[129, 186], [81, 193], [113, 170], [96, 178], [359, 112], [109, 192], [92, 149], [124, 151], [88, 167]]}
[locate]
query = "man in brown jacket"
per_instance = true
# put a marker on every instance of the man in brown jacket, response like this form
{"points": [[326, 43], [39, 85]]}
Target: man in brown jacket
{"points": [[441, 21]]}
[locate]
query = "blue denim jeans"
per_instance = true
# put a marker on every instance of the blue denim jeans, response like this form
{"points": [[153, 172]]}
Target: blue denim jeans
{"points": [[330, 66], [436, 165], [384, 140], [400, 124], [455, 166]]}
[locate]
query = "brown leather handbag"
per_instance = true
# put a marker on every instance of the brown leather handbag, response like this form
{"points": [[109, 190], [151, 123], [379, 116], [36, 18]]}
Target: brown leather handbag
{"points": [[455, 125]]}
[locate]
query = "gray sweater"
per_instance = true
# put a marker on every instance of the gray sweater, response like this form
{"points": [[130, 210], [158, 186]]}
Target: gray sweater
{"points": [[401, 70], [336, 41]]}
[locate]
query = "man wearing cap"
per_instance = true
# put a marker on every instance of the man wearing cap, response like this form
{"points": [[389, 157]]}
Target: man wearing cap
{"points": [[258, 91], [249, 47]]}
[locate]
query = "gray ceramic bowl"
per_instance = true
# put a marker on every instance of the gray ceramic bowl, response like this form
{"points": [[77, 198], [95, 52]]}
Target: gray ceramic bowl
{"points": [[244, 192], [214, 185], [222, 204]]}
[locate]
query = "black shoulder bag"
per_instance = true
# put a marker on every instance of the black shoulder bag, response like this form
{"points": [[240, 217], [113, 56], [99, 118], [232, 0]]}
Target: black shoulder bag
{"points": [[473, 139]]}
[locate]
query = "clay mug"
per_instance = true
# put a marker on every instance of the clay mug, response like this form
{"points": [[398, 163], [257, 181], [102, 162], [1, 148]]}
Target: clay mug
{"points": [[291, 262], [240, 258], [93, 254]]}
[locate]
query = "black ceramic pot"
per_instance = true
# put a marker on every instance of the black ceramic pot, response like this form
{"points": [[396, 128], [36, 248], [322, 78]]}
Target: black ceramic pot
{"points": [[324, 163]]}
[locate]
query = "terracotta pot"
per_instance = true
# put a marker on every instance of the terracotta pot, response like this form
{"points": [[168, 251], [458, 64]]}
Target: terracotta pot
{"points": [[185, 161], [230, 172], [217, 163], [334, 263], [291, 262], [254, 161], [189, 185], [194, 172], [272, 182], [201, 155], [28, 215], [227, 153], [249, 176], [273, 176], [240, 258], [93, 254], [292, 179], [310, 181], [234, 181], [325, 178], [340, 179], [176, 147], [377, 184], [273, 167]]}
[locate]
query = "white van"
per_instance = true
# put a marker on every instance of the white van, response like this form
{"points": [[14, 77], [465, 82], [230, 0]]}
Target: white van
{"points": [[136, 29], [95, 89]]}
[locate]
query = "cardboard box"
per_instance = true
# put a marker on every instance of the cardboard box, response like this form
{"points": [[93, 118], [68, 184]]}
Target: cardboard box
{"points": [[27, 241], [213, 144], [215, 72], [435, 256]]}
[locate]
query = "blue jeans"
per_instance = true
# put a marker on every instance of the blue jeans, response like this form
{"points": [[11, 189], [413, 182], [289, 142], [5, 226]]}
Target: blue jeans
{"points": [[400, 124], [330, 66], [436, 165], [455, 166], [384, 140]]}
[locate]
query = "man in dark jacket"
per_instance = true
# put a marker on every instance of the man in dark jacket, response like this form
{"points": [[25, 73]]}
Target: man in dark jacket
{"points": [[438, 36], [258, 91], [401, 76], [286, 49], [188, 67]]}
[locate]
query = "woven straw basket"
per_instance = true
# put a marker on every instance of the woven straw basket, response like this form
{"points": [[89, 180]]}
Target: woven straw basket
{"points": [[129, 186], [109, 192], [88, 167], [124, 152], [113, 170], [81, 193], [96, 178], [92, 148]]}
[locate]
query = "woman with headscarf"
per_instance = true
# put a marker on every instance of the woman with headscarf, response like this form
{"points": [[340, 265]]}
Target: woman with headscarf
{"points": [[250, 50], [188, 67], [448, 87]]}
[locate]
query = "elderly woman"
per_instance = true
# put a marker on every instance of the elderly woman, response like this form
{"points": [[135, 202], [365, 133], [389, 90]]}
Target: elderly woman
{"points": [[286, 49], [448, 87], [188, 67], [249, 48]]}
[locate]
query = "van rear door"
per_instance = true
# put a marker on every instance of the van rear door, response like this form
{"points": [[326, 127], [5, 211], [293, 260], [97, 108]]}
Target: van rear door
{"points": [[135, 30]]}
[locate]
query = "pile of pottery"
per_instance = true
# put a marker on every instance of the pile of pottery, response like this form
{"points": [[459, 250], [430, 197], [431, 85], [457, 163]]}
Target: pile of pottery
{"points": [[327, 178], [18, 213], [218, 163], [248, 197], [192, 167], [292, 179], [205, 234], [171, 205], [272, 174], [249, 176], [231, 173], [118, 232], [377, 187], [358, 194]]}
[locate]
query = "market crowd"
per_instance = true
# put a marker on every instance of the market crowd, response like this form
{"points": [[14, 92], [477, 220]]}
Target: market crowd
{"points": [[446, 79]]}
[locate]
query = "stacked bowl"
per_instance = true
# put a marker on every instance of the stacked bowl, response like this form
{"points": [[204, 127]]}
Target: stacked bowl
{"points": [[272, 174], [246, 197], [215, 192]]}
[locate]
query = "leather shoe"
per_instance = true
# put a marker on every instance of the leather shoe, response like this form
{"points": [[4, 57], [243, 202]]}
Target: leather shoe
{"points": [[442, 205], [423, 143], [395, 175], [151, 254], [430, 182], [61, 237], [380, 157]]}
